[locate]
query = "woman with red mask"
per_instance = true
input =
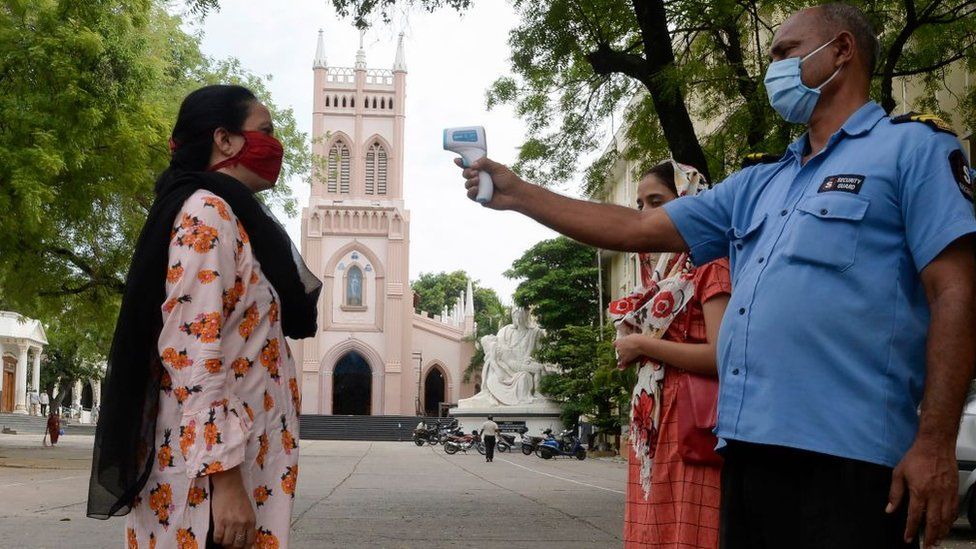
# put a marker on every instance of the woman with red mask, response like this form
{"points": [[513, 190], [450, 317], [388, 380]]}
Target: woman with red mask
{"points": [[668, 329], [198, 433]]}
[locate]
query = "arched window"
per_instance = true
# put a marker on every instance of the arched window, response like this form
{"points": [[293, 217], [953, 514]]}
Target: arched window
{"points": [[337, 170], [376, 169], [354, 287], [326, 100], [374, 102], [343, 100], [389, 104], [352, 101]]}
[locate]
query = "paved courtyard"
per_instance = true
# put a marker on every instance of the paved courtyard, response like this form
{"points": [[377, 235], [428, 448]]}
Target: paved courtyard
{"points": [[358, 494]]}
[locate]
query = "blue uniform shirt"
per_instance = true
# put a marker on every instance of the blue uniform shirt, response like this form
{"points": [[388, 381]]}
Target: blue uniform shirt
{"points": [[822, 346]]}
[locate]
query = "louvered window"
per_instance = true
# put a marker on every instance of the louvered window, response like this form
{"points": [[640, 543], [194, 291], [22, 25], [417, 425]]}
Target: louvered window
{"points": [[337, 172], [376, 172]]}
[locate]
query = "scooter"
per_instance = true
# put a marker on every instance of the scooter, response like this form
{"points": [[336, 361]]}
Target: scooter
{"points": [[530, 443], [566, 444]]}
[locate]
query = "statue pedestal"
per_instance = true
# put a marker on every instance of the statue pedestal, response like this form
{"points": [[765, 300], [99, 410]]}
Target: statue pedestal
{"points": [[536, 416]]}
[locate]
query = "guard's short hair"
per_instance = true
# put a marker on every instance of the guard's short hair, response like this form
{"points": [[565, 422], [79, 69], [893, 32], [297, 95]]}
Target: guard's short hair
{"points": [[853, 20]]}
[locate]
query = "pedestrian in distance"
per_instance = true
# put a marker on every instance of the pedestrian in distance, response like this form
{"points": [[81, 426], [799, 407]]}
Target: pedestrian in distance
{"points": [[45, 400], [53, 428], [35, 403], [489, 432], [848, 344]]}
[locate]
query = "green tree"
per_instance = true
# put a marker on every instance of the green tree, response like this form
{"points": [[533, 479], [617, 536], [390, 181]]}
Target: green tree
{"points": [[575, 62], [558, 283], [89, 91], [434, 291]]}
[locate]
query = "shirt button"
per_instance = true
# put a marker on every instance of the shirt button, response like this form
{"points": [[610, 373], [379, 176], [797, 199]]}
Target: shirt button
{"points": [[742, 311], [761, 259], [784, 213], [738, 246], [823, 211], [735, 372]]}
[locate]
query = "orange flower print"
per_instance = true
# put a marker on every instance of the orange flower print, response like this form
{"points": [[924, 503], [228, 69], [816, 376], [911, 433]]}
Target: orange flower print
{"points": [[176, 359], [232, 296], [217, 204], [240, 247], [206, 276], [182, 393], [264, 539], [152, 540], [273, 311], [211, 468], [251, 319], [262, 449], [186, 539], [243, 234], [161, 502], [188, 222], [289, 480], [174, 273], [261, 495], [130, 538], [166, 383], [196, 496], [173, 302], [270, 357], [248, 411], [296, 395], [211, 435], [241, 367], [268, 402], [165, 454], [205, 327], [203, 238], [213, 365], [188, 436], [254, 278], [288, 442]]}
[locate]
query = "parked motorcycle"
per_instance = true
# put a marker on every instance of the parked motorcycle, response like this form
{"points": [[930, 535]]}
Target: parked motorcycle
{"points": [[565, 444], [464, 443], [425, 434], [531, 443]]}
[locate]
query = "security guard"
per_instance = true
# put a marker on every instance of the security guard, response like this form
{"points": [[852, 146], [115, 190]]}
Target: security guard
{"points": [[854, 282]]}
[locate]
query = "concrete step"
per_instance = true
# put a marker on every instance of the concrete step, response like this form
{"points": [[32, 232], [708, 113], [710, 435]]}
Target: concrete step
{"points": [[23, 423], [372, 428]]}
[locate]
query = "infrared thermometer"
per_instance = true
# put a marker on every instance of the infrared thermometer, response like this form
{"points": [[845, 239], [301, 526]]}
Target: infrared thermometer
{"points": [[469, 142]]}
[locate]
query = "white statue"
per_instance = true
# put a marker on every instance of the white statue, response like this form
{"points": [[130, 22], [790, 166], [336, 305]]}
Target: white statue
{"points": [[510, 376]]}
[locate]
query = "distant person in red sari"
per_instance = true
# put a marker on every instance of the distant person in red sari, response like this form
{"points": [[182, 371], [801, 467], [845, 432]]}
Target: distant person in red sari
{"points": [[668, 329], [54, 426]]}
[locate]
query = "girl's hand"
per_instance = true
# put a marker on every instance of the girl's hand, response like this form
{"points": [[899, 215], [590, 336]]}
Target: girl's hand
{"points": [[233, 514], [629, 349]]}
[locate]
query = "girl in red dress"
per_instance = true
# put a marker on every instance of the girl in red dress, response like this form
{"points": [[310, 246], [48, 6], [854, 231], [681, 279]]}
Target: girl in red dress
{"points": [[668, 330]]}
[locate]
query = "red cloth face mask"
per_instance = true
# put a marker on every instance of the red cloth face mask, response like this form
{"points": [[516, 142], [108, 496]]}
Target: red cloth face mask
{"points": [[261, 153]]}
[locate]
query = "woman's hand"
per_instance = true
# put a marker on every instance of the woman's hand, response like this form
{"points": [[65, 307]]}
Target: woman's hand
{"points": [[507, 184], [630, 348], [233, 514]]}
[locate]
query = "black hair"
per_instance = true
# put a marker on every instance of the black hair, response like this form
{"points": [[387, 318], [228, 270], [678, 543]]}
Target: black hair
{"points": [[853, 20], [201, 113], [665, 172]]}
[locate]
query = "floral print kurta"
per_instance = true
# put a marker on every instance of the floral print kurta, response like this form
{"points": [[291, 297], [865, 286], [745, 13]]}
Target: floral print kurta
{"points": [[229, 395]]}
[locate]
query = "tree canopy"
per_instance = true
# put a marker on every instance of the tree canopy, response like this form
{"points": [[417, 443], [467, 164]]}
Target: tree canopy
{"points": [[670, 64], [89, 91]]}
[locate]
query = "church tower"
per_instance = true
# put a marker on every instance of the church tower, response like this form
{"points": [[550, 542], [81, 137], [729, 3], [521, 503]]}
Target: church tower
{"points": [[355, 236]]}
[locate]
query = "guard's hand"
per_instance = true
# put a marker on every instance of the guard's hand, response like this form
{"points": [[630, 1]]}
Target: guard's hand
{"points": [[507, 184], [233, 515], [629, 349], [929, 475]]}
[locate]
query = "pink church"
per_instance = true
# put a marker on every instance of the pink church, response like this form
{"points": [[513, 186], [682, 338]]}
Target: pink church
{"points": [[373, 355]]}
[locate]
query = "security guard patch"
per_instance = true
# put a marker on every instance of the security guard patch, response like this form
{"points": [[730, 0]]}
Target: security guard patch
{"points": [[845, 182], [929, 120], [961, 173]]}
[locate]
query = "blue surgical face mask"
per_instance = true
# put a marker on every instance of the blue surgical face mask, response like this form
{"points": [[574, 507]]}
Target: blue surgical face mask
{"points": [[787, 93]]}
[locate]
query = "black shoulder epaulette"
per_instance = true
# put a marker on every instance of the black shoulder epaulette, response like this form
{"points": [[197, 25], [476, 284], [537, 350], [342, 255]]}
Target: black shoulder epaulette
{"points": [[752, 159], [929, 120]]}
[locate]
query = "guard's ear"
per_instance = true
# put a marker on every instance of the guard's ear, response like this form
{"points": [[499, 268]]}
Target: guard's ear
{"points": [[846, 47]]}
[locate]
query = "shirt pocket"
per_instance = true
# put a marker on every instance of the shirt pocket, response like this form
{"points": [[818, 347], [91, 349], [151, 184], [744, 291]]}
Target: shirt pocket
{"points": [[742, 238], [826, 230]]}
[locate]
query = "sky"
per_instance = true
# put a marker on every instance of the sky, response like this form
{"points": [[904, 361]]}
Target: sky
{"points": [[451, 59]]}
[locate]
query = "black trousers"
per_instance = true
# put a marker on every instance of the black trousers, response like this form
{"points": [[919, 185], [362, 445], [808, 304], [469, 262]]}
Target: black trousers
{"points": [[490, 447], [774, 497]]}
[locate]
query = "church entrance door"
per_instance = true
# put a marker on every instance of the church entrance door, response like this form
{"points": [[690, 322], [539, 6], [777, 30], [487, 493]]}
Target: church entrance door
{"points": [[433, 392], [9, 368], [352, 386]]}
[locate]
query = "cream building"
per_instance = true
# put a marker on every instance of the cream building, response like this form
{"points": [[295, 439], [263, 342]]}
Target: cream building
{"points": [[22, 340], [373, 355]]}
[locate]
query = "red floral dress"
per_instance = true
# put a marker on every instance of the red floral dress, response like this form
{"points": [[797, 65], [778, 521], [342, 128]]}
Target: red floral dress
{"points": [[682, 509], [229, 394]]}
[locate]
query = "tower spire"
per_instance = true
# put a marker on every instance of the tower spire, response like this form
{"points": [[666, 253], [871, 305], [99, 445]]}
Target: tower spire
{"points": [[320, 61], [361, 53], [469, 300], [400, 64]]}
